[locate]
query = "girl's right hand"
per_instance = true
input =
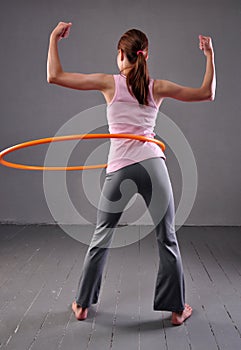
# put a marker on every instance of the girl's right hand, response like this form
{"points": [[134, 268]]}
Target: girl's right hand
{"points": [[62, 30]]}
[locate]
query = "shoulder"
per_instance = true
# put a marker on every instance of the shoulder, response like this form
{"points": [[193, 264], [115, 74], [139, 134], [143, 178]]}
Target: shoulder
{"points": [[159, 86], [106, 80], [108, 86], [159, 90], [166, 88]]}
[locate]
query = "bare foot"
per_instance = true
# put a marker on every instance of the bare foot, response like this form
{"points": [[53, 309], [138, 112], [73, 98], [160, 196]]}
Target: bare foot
{"points": [[179, 318], [80, 313]]}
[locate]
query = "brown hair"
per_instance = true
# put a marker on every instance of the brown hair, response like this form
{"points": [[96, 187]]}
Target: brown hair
{"points": [[137, 79]]}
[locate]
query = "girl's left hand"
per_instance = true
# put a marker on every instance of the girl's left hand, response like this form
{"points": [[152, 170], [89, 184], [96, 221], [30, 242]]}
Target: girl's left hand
{"points": [[205, 44]]}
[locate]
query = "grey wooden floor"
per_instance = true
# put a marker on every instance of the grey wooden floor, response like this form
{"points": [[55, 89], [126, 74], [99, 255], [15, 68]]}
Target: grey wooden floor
{"points": [[39, 271]]}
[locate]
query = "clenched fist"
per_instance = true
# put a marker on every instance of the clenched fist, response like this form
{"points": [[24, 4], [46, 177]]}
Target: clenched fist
{"points": [[205, 44], [62, 30]]}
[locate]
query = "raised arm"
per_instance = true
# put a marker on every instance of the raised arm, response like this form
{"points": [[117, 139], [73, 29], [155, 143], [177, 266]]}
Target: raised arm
{"points": [[165, 88], [56, 74]]}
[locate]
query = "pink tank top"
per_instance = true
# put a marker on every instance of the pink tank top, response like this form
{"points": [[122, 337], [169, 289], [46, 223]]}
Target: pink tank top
{"points": [[126, 116]]}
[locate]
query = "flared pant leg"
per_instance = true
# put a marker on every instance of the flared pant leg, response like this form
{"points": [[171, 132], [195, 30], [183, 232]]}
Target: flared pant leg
{"points": [[117, 191], [170, 287]]}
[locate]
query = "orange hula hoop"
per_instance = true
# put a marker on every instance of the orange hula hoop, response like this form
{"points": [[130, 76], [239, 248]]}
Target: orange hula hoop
{"points": [[66, 138]]}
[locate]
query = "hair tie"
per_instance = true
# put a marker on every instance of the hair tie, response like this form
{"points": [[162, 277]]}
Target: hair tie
{"points": [[140, 51]]}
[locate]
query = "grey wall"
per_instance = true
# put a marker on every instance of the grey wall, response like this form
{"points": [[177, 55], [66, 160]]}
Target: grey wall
{"points": [[31, 108]]}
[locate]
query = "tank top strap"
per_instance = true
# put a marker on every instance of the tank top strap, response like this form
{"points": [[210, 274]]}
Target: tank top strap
{"points": [[151, 98]]}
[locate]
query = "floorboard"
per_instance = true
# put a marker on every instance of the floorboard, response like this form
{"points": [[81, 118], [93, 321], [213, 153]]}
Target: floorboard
{"points": [[39, 272]]}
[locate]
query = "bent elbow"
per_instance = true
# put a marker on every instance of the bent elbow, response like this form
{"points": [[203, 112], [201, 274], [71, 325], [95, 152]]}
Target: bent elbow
{"points": [[51, 79], [211, 97], [208, 96]]}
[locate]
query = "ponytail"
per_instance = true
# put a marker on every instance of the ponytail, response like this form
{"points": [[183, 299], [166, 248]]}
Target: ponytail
{"points": [[137, 80], [134, 44]]}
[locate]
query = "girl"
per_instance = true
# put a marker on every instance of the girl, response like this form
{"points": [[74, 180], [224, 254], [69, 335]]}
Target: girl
{"points": [[133, 100]]}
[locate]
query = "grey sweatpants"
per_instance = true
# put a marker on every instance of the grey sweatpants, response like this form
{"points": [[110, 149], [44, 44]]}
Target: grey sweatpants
{"points": [[150, 179]]}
